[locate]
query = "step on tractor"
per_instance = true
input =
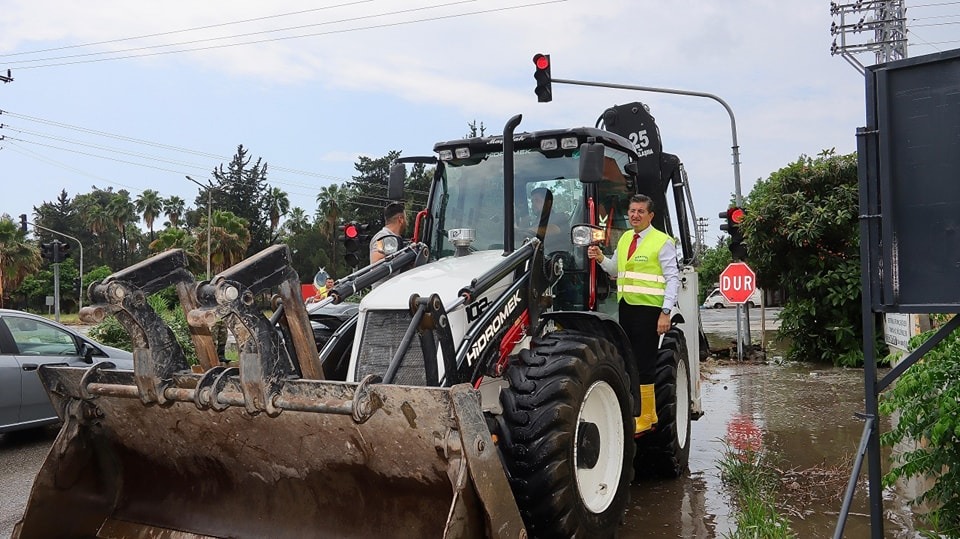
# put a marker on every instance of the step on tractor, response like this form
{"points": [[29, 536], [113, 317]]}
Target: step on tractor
{"points": [[484, 389]]}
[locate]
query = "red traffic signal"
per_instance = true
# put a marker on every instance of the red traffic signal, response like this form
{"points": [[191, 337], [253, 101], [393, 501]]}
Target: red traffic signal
{"points": [[351, 231], [735, 215], [544, 89]]}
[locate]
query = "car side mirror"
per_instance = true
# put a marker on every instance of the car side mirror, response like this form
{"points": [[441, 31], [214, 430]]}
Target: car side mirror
{"points": [[86, 352]]}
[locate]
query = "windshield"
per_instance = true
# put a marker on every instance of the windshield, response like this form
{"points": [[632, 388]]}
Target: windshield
{"points": [[470, 195]]}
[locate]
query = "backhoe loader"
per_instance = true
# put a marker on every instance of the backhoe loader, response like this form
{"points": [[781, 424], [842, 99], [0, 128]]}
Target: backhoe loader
{"points": [[484, 389]]}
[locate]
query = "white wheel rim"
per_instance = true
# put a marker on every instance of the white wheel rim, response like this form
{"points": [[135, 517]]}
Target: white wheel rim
{"points": [[683, 403], [598, 485]]}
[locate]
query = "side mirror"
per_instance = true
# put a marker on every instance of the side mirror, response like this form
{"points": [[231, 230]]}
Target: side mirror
{"points": [[591, 162], [86, 352], [398, 176]]}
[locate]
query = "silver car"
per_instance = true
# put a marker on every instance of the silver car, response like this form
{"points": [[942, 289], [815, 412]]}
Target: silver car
{"points": [[28, 341]]}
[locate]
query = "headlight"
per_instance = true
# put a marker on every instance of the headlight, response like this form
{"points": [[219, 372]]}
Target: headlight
{"points": [[584, 235]]}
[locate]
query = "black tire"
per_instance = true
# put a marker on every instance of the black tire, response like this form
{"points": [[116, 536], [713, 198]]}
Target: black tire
{"points": [[665, 451], [569, 386], [718, 306], [751, 304]]}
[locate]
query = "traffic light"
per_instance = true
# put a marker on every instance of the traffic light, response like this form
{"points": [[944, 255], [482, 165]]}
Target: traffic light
{"points": [[734, 216], [351, 241], [23, 222], [61, 251], [77, 285], [46, 251], [363, 233], [544, 89]]}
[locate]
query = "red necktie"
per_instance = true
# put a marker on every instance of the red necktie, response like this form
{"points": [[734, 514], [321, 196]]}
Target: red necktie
{"points": [[633, 245]]}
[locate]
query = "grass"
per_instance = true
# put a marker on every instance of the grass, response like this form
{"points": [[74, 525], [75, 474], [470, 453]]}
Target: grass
{"points": [[67, 319], [756, 483]]}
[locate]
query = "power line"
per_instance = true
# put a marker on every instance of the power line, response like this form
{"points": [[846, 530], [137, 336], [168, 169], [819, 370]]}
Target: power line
{"points": [[246, 34], [161, 145], [193, 29], [255, 42]]}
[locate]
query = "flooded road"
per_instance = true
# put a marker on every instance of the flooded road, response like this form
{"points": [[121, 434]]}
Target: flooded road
{"points": [[803, 414]]}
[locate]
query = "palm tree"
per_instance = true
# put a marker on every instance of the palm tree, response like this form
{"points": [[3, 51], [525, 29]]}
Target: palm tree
{"points": [[278, 204], [173, 208], [229, 239], [297, 222], [150, 205], [98, 221], [329, 203], [121, 212], [18, 257]]}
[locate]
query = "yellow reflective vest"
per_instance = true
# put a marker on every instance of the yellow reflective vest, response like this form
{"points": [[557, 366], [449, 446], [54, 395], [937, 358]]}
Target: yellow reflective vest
{"points": [[640, 278]]}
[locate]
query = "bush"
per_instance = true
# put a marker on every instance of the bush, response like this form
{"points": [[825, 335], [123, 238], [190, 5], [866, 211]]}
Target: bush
{"points": [[802, 229], [927, 397]]}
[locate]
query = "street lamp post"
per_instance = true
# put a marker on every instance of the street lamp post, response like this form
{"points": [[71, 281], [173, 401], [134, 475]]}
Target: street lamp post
{"points": [[209, 189]]}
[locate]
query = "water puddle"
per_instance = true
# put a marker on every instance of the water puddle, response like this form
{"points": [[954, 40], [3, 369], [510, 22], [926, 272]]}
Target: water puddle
{"points": [[804, 414]]}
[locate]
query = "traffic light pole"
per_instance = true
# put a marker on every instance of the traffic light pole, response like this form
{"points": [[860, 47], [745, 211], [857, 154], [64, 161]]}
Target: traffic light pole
{"points": [[56, 274], [733, 120]]}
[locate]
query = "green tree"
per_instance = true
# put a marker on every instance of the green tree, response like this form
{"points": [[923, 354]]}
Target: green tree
{"points": [[241, 189], [296, 222], [330, 202], [97, 228], [178, 238], [18, 258], [712, 262], [173, 208], [229, 240], [366, 193], [150, 205], [122, 211], [801, 228], [278, 204]]}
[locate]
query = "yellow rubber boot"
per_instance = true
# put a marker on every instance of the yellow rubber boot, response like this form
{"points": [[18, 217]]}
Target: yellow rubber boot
{"points": [[648, 409]]}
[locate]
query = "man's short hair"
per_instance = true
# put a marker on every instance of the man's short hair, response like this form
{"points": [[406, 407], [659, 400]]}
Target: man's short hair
{"points": [[392, 210], [644, 199]]}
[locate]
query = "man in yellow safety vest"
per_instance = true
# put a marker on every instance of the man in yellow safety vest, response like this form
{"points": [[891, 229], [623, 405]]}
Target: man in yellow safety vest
{"points": [[648, 281]]}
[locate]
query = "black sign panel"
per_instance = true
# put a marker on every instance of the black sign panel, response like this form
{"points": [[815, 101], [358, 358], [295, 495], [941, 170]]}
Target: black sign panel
{"points": [[913, 173]]}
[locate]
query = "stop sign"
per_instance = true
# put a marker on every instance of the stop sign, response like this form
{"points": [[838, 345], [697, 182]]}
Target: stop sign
{"points": [[737, 282]]}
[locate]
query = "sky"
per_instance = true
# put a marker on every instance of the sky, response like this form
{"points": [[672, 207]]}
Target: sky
{"points": [[137, 95]]}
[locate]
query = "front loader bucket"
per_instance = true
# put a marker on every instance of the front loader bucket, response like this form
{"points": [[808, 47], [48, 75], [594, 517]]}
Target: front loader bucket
{"points": [[380, 461], [264, 449]]}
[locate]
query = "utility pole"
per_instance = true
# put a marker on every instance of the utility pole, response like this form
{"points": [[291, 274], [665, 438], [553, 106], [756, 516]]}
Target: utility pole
{"points": [[883, 24], [8, 78]]}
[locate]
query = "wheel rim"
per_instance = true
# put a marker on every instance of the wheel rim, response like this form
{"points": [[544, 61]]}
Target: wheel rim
{"points": [[598, 484], [683, 403]]}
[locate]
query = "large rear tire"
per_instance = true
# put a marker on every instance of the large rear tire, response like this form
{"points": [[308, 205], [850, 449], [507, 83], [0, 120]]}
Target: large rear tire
{"points": [[665, 451], [568, 441]]}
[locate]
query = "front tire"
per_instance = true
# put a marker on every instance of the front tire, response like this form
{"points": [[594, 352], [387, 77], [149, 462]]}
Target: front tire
{"points": [[665, 452], [568, 441]]}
